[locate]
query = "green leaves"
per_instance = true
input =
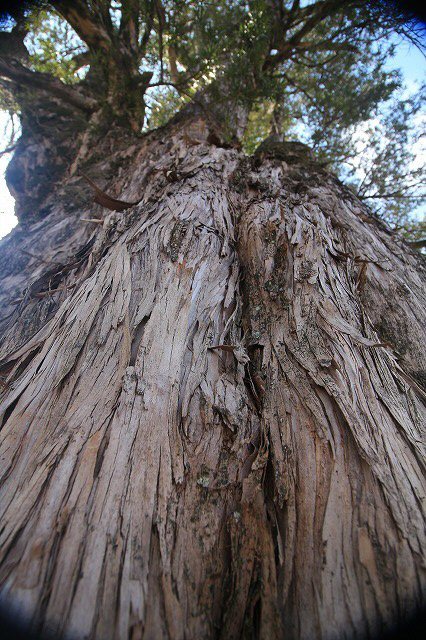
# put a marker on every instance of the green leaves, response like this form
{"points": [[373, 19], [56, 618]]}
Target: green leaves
{"points": [[313, 71], [54, 46]]}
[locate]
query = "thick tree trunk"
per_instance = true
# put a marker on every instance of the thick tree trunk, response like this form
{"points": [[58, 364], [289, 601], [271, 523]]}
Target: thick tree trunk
{"points": [[155, 487]]}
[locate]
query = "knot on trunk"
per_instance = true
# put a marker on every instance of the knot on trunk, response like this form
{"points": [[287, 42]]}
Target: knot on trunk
{"points": [[276, 148]]}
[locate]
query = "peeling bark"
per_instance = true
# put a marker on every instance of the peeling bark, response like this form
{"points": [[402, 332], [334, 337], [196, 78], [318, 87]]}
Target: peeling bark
{"points": [[154, 487]]}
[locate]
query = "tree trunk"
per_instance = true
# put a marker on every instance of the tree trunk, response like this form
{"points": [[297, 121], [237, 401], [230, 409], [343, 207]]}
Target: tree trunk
{"points": [[157, 485]]}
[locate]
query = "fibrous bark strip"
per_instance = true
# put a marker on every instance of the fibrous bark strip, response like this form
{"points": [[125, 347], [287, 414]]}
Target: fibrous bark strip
{"points": [[154, 487]]}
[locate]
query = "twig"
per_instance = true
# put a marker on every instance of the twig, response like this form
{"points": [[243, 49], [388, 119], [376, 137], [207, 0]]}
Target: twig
{"points": [[8, 149]]}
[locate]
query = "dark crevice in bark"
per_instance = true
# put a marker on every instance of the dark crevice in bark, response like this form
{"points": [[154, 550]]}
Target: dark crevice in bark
{"points": [[11, 408], [137, 339], [19, 366], [253, 391], [104, 442]]}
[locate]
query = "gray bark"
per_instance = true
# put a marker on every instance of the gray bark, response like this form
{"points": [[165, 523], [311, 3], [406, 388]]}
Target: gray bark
{"points": [[154, 487]]}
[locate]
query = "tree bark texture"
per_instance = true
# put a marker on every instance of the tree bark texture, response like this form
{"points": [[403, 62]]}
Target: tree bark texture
{"points": [[155, 487]]}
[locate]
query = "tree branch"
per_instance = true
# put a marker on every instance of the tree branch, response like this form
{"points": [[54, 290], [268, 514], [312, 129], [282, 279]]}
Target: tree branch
{"points": [[174, 72], [81, 59], [20, 75], [148, 28], [397, 195], [129, 24], [9, 149], [161, 16], [102, 7], [324, 9], [418, 244], [327, 45], [310, 64], [84, 23]]}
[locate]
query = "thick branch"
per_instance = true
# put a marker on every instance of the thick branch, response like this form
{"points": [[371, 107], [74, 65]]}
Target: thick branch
{"points": [[129, 25], [174, 72], [161, 16], [418, 244], [148, 28], [324, 10], [84, 23], [101, 8], [82, 59], [20, 75]]}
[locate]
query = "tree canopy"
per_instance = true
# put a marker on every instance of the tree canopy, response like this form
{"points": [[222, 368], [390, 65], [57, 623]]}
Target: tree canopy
{"points": [[315, 71]]}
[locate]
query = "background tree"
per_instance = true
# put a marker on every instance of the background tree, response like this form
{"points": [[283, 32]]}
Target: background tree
{"points": [[213, 374]]}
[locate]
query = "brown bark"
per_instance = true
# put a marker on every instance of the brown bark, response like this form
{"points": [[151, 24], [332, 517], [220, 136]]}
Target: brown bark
{"points": [[154, 487], [22, 76]]}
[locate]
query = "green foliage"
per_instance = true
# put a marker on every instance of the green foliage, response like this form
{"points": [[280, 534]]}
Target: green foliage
{"points": [[354, 113], [162, 105], [259, 125], [328, 86], [8, 101], [53, 46], [388, 174], [413, 229]]}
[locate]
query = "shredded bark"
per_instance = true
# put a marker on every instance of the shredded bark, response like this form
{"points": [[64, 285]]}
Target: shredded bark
{"points": [[208, 424]]}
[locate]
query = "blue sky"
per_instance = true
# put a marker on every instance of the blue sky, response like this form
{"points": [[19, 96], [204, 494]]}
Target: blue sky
{"points": [[408, 58], [411, 61], [7, 203]]}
